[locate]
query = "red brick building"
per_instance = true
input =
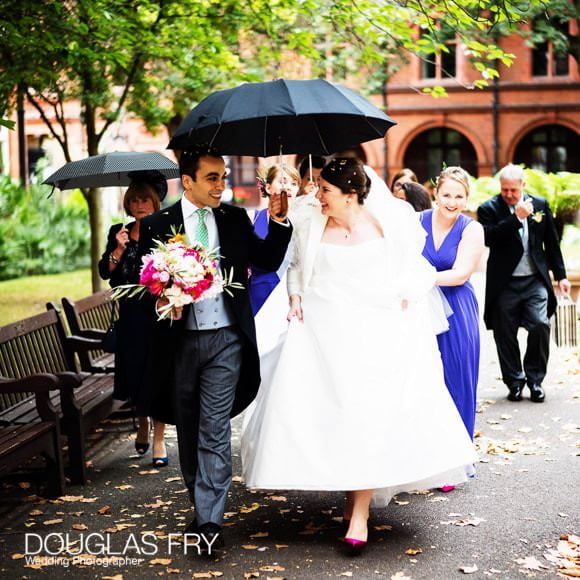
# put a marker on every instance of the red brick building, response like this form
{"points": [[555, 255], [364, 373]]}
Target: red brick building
{"points": [[531, 115]]}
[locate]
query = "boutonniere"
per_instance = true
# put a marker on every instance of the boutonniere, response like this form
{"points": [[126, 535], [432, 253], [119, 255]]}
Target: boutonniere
{"points": [[538, 216]]}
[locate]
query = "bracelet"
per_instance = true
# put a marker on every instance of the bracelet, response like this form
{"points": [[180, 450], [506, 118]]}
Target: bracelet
{"points": [[112, 259]]}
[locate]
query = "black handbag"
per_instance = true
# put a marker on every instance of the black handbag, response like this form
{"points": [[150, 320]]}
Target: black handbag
{"points": [[109, 341]]}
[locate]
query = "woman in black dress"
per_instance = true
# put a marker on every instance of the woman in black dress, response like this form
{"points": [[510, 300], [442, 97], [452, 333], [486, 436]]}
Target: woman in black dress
{"points": [[121, 265]]}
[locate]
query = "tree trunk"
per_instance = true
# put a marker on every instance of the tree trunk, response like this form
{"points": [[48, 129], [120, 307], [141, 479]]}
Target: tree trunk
{"points": [[93, 197]]}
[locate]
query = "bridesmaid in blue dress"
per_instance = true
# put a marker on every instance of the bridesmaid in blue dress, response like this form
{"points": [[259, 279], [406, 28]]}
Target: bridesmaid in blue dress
{"points": [[454, 247], [276, 179]]}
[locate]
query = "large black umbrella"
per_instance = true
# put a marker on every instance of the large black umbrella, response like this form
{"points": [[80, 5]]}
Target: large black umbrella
{"points": [[112, 169], [313, 116]]}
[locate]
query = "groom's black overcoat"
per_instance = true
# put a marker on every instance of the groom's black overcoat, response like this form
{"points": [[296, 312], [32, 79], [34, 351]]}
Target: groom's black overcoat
{"points": [[240, 248], [502, 236]]}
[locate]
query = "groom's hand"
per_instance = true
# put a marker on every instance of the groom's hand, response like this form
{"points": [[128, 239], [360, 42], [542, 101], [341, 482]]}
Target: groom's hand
{"points": [[278, 206]]}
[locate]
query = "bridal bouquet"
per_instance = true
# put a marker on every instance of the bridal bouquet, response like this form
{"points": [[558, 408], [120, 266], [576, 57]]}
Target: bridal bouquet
{"points": [[178, 274]]}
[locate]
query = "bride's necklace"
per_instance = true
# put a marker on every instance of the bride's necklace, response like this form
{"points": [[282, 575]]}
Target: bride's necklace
{"points": [[345, 232]]}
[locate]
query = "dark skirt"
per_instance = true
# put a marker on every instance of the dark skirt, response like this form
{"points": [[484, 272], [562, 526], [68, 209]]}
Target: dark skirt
{"points": [[133, 356]]}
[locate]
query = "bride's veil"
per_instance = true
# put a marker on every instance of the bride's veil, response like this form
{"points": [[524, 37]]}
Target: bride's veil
{"points": [[413, 277]]}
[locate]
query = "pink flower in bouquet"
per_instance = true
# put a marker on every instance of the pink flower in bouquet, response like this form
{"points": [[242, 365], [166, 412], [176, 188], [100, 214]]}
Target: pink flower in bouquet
{"points": [[150, 277]]}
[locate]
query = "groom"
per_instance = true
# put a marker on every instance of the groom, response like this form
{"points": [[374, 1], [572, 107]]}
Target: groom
{"points": [[207, 363]]}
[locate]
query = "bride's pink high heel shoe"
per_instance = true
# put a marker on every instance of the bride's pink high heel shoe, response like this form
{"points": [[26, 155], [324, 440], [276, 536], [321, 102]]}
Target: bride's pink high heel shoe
{"points": [[447, 488], [354, 546]]}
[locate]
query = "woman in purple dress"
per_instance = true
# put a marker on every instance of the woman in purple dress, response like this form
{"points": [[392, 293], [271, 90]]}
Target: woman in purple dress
{"points": [[454, 246], [278, 178]]}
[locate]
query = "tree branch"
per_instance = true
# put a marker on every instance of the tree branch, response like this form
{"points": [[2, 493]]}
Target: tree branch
{"points": [[62, 141]]}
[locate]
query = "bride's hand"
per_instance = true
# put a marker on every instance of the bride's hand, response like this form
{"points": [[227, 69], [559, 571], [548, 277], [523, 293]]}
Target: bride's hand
{"points": [[404, 304], [295, 308]]}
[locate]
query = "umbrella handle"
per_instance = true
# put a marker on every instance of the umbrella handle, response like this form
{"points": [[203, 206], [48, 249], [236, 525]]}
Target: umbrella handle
{"points": [[283, 204]]}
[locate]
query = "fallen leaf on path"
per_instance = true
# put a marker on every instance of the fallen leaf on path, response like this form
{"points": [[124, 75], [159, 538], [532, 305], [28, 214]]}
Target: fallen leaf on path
{"points": [[35, 513], [348, 573], [104, 509], [281, 546], [80, 527], [172, 479], [249, 547], [468, 569], [247, 509], [160, 561], [277, 498], [531, 563], [413, 551], [115, 577], [118, 528], [400, 576], [17, 556], [260, 535], [52, 522], [157, 504], [148, 471], [272, 568], [75, 498], [124, 487], [467, 521], [383, 527]]}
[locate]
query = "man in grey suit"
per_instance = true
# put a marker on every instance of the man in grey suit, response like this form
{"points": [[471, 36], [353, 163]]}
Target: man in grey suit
{"points": [[523, 246], [210, 357]]}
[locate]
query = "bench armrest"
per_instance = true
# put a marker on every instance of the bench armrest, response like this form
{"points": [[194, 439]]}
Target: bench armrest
{"points": [[69, 379], [33, 383], [82, 344], [95, 333]]}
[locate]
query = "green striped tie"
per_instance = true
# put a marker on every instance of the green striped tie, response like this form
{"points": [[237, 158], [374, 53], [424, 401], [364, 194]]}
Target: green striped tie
{"points": [[201, 234]]}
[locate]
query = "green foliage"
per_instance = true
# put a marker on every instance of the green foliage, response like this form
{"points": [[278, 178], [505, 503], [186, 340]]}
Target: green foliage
{"points": [[562, 190], [39, 235]]}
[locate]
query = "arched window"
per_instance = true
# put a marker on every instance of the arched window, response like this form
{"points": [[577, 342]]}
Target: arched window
{"points": [[431, 149], [550, 148]]}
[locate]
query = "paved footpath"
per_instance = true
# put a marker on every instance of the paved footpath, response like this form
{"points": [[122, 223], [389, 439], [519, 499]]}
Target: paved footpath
{"points": [[506, 523]]}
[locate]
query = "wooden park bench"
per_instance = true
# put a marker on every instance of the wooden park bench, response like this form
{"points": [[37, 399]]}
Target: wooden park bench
{"points": [[90, 317], [22, 441], [40, 345]]}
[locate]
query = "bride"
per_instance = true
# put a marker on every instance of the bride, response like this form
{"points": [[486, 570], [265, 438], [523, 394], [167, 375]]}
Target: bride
{"points": [[353, 397]]}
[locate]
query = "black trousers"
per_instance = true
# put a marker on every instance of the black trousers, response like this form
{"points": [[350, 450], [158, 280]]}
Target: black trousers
{"points": [[523, 303]]}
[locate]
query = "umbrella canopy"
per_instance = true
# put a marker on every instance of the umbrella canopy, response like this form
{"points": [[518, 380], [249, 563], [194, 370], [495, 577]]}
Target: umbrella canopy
{"points": [[313, 116], [112, 169]]}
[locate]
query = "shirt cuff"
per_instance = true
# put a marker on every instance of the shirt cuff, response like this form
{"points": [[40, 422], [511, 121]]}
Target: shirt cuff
{"points": [[285, 223]]}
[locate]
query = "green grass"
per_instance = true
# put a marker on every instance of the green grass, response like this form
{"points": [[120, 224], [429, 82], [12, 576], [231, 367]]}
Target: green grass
{"points": [[28, 296]]}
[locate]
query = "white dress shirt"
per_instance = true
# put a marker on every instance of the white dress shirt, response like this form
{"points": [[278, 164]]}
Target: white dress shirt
{"points": [[190, 222]]}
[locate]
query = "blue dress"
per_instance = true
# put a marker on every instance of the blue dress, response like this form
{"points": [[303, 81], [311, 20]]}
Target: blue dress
{"points": [[262, 283], [460, 346]]}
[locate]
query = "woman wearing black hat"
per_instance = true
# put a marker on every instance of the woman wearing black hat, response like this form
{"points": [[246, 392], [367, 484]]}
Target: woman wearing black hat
{"points": [[121, 265]]}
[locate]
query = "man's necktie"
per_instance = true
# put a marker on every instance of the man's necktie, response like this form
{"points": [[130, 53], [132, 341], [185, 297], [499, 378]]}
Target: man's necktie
{"points": [[201, 234]]}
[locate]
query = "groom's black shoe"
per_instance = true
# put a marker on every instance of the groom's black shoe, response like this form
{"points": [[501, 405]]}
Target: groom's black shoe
{"points": [[192, 528], [214, 538], [537, 393], [515, 393]]}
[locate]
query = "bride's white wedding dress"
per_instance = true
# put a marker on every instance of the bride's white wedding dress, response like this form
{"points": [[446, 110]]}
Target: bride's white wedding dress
{"points": [[354, 396]]}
